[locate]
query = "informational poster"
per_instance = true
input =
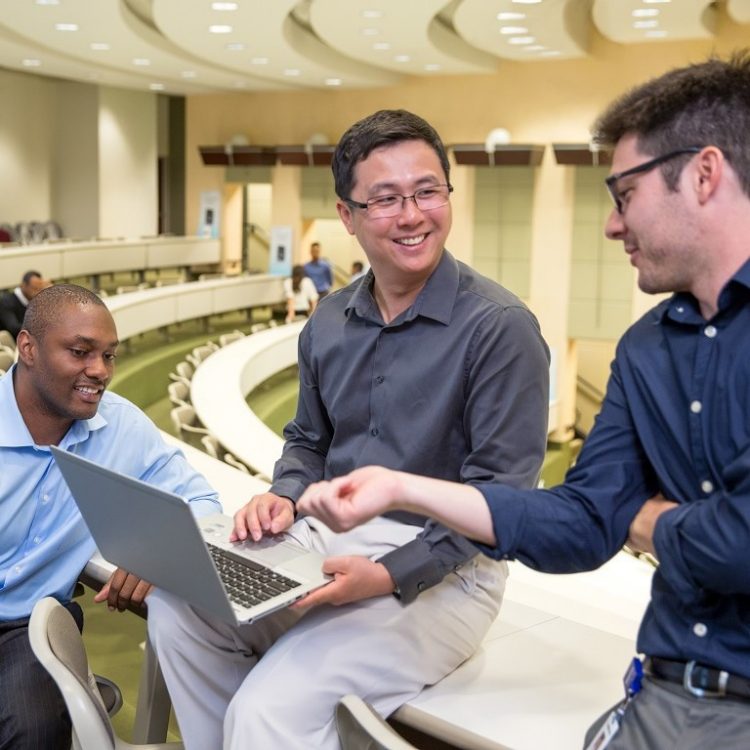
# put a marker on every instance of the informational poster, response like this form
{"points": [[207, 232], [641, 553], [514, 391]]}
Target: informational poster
{"points": [[209, 219], [280, 251]]}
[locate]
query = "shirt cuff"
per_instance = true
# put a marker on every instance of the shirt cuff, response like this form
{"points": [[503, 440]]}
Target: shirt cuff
{"points": [[413, 568]]}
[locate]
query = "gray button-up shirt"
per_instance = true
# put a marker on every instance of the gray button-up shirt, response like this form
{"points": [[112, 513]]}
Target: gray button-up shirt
{"points": [[456, 387]]}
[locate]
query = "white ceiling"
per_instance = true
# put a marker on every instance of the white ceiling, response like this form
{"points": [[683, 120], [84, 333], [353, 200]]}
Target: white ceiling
{"points": [[260, 45]]}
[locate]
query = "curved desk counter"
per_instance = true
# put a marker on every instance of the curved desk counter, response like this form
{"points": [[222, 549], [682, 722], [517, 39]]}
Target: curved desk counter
{"points": [[224, 379], [137, 312], [65, 260]]}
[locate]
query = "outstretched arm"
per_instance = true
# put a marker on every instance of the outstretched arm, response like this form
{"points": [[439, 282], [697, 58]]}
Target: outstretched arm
{"points": [[348, 501]]}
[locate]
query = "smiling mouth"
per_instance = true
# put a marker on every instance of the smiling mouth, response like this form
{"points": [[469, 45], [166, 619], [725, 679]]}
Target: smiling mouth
{"points": [[410, 241], [89, 391]]}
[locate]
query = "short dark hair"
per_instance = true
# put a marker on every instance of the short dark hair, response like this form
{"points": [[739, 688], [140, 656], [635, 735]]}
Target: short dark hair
{"points": [[29, 275], [45, 307], [358, 265], [704, 104], [382, 128]]}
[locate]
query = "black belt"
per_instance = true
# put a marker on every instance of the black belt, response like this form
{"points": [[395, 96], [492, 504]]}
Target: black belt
{"points": [[698, 679]]}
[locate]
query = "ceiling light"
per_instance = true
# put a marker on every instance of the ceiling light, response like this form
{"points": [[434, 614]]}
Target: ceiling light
{"points": [[521, 40], [99, 46], [224, 6], [189, 74], [402, 58], [381, 45], [235, 46], [370, 31], [333, 81], [66, 26], [31, 62], [372, 14], [513, 30], [292, 72], [645, 12], [656, 34], [550, 53], [48, 2], [527, 2], [141, 61], [220, 28], [156, 86], [534, 48], [645, 24], [510, 16], [655, 2], [433, 67], [259, 61]]}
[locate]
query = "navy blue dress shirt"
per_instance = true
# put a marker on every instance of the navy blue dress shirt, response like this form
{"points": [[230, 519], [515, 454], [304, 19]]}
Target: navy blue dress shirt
{"points": [[675, 420]]}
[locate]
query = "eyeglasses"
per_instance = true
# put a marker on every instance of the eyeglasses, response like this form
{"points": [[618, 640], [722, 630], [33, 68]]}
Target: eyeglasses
{"points": [[385, 206], [611, 181]]}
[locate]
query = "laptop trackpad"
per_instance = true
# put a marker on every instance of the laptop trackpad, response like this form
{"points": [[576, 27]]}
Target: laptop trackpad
{"points": [[275, 550]]}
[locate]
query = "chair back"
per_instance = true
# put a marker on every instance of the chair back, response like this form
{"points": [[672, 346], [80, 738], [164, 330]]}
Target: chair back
{"points": [[56, 642], [230, 459], [179, 393], [228, 338], [360, 727], [185, 370], [210, 445], [7, 340], [7, 358]]}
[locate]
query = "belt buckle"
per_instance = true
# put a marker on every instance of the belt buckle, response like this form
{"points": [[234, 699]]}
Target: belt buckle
{"points": [[687, 683]]}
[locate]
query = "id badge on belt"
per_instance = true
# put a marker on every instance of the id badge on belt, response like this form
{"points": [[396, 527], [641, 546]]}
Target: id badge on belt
{"points": [[610, 727]]}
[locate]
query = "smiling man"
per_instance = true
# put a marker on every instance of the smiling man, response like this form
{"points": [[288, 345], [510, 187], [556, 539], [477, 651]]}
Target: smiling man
{"points": [[422, 364], [56, 395]]}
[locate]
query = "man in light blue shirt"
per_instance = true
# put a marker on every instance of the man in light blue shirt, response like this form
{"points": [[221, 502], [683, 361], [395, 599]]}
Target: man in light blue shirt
{"points": [[319, 271], [55, 395]]}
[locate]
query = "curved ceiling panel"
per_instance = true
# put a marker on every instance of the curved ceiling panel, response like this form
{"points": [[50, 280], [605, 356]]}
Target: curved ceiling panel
{"points": [[261, 38], [405, 36], [628, 21], [526, 30]]}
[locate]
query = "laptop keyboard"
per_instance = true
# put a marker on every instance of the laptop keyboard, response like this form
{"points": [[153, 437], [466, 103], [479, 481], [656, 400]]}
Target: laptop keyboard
{"points": [[247, 582]]}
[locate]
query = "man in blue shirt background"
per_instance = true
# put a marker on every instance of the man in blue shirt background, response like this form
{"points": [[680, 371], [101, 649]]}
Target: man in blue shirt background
{"points": [[319, 270], [55, 395], [666, 467]]}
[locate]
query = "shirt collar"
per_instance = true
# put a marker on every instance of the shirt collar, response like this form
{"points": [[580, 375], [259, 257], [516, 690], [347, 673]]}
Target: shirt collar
{"points": [[13, 430], [21, 296], [436, 299], [684, 308]]}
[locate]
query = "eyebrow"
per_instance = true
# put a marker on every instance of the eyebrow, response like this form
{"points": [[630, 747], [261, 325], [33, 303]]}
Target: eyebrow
{"points": [[92, 342], [388, 185]]}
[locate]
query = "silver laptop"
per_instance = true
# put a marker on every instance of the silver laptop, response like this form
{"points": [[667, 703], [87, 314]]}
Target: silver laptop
{"points": [[153, 534]]}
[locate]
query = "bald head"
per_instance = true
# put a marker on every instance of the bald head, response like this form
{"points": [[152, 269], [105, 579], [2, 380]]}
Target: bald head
{"points": [[45, 306]]}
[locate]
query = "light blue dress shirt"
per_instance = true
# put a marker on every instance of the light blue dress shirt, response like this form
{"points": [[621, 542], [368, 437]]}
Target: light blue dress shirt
{"points": [[44, 543]]}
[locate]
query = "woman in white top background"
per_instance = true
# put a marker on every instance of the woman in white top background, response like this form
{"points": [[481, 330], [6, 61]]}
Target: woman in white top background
{"points": [[301, 295]]}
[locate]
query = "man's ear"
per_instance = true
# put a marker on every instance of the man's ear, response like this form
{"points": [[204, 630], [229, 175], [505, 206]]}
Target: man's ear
{"points": [[710, 164], [346, 216], [26, 346]]}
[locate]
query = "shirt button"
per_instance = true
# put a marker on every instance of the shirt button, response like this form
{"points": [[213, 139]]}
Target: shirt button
{"points": [[710, 331], [45, 499], [700, 629], [695, 407], [680, 309], [707, 486], [374, 432], [379, 379], [37, 539], [17, 569]]}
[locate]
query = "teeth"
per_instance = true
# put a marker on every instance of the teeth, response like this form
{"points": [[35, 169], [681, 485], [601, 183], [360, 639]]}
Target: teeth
{"points": [[84, 389], [411, 240]]}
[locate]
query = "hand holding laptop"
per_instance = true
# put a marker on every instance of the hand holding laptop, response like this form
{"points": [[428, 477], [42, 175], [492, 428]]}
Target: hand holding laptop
{"points": [[264, 514], [123, 589]]}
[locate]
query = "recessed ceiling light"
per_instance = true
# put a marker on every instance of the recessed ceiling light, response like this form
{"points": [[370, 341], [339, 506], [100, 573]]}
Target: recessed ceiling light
{"points": [[292, 72], [48, 2], [156, 86], [381, 45], [220, 28], [510, 16], [259, 61], [31, 62], [333, 81], [66, 26], [370, 31], [656, 34], [235, 46], [527, 2], [189, 74], [372, 14], [224, 6], [645, 12], [645, 24], [513, 30], [433, 67], [521, 40], [402, 58], [141, 61], [656, 2], [100, 46]]}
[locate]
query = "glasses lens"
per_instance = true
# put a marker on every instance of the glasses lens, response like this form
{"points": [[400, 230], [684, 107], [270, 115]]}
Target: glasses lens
{"points": [[426, 199], [431, 197]]}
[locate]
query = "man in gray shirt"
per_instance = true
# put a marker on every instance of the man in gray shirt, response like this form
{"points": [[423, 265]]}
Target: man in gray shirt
{"points": [[423, 366]]}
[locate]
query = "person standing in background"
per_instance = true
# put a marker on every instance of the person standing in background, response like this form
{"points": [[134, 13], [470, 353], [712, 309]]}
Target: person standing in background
{"points": [[301, 295], [319, 270]]}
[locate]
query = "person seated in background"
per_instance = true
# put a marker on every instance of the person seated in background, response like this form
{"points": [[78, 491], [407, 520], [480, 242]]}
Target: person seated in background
{"points": [[429, 367], [358, 270], [301, 295], [666, 468], [319, 270], [13, 304], [56, 395]]}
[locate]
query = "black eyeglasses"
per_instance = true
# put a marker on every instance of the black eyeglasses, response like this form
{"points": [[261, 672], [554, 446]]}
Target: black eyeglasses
{"points": [[385, 206], [611, 181]]}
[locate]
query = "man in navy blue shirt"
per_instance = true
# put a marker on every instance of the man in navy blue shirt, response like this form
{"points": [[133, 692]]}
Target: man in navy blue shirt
{"points": [[319, 271], [666, 467]]}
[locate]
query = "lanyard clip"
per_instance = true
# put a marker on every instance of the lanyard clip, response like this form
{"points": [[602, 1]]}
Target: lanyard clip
{"points": [[632, 678]]}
